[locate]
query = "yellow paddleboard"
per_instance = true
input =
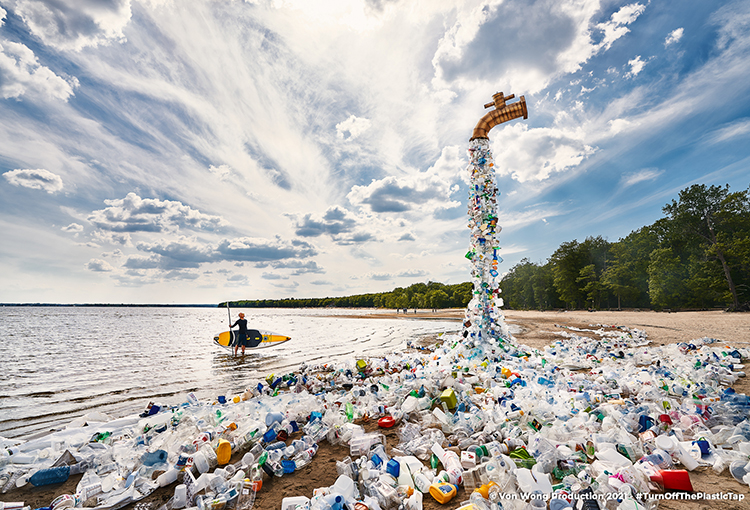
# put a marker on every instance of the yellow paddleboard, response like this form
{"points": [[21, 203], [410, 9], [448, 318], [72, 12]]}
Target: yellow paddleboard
{"points": [[264, 339]]}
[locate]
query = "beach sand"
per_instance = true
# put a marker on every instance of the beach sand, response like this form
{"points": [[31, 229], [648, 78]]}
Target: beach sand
{"points": [[537, 330]]}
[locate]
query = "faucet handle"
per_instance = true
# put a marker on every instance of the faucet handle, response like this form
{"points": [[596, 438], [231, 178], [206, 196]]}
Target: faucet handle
{"points": [[499, 98]]}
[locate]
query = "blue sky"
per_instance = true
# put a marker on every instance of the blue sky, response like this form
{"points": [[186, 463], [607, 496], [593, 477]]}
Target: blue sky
{"points": [[160, 151]]}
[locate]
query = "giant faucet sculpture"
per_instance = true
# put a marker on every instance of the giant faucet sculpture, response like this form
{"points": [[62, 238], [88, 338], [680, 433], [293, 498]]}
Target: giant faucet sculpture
{"points": [[484, 324]]}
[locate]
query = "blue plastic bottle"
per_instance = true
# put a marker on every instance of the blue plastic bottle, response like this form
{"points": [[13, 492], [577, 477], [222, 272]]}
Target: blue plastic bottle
{"points": [[56, 474]]}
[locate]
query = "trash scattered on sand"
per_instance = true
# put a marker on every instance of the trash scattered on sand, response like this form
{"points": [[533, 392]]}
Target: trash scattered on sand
{"points": [[605, 416]]}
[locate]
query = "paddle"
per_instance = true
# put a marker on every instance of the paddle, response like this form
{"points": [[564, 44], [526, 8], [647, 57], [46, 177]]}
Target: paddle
{"points": [[229, 312]]}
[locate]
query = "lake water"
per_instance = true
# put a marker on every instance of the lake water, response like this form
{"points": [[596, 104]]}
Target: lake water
{"points": [[59, 363]]}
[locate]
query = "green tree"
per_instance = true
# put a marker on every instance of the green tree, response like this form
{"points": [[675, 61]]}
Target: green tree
{"points": [[711, 215], [626, 274], [666, 278], [592, 287]]}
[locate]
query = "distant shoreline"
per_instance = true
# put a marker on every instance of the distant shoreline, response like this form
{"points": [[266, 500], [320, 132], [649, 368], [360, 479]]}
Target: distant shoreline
{"points": [[110, 305]]}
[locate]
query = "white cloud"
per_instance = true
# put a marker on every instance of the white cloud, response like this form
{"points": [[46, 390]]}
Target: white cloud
{"points": [[477, 43], [223, 172], [617, 26], [3, 12], [424, 192], [636, 66], [99, 265], [736, 129], [618, 125], [646, 174], [75, 24], [674, 36], [355, 126], [136, 214], [73, 227], [23, 75], [535, 154], [35, 179]]}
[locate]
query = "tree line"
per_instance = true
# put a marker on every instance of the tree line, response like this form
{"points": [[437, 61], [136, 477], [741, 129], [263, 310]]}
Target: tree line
{"points": [[696, 256], [418, 295]]}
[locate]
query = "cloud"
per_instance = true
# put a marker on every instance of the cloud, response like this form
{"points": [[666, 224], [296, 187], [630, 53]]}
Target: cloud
{"points": [[273, 276], [337, 222], [223, 172], [100, 266], [617, 26], [299, 266], [73, 227], [321, 282], [259, 250], [379, 277], [22, 74], [75, 24], [493, 41], [408, 236], [136, 214], [355, 126], [674, 37], [35, 179], [412, 273], [646, 174], [140, 262], [535, 154], [425, 192], [3, 12], [636, 66], [737, 129], [182, 252], [179, 274]]}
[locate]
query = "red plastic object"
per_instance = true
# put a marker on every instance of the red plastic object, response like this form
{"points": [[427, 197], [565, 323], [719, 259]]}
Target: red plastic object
{"points": [[386, 422], [676, 479]]}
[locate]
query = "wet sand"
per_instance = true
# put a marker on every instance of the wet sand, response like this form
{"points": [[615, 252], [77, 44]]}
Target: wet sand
{"points": [[537, 330]]}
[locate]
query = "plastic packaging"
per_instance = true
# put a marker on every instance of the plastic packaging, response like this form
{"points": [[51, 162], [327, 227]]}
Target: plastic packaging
{"points": [[443, 492]]}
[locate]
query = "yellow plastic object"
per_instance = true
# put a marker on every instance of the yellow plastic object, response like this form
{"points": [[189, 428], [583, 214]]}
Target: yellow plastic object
{"points": [[361, 364], [449, 397], [443, 492], [223, 452], [484, 490]]}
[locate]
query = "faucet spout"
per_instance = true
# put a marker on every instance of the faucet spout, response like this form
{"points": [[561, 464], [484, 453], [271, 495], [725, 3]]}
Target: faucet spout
{"points": [[503, 112]]}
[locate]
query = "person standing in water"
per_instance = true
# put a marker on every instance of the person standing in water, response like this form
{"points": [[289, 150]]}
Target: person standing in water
{"points": [[240, 338]]}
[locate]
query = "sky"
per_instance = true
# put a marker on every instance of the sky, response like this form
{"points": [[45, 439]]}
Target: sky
{"points": [[196, 151]]}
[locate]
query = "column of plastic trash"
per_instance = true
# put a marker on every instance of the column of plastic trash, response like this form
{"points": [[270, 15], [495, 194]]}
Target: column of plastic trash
{"points": [[484, 323]]}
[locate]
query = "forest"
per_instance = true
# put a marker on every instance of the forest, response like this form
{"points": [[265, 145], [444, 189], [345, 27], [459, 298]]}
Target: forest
{"points": [[418, 295], [695, 257]]}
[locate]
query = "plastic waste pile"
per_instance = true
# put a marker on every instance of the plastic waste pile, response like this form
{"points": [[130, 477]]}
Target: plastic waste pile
{"points": [[484, 324], [512, 431]]}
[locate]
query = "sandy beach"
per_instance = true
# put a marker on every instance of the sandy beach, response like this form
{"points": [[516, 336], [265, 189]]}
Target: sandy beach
{"points": [[537, 330]]}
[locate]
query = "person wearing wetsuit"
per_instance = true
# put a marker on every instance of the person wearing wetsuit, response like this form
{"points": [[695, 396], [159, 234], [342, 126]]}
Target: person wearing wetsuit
{"points": [[241, 335]]}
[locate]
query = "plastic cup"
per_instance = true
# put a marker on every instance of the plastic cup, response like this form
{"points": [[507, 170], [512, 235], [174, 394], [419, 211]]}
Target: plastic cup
{"points": [[180, 496]]}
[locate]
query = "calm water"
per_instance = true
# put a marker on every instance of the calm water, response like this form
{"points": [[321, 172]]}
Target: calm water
{"points": [[59, 363]]}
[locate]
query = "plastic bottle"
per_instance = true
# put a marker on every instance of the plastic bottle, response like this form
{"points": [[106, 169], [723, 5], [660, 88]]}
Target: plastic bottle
{"points": [[246, 498], [443, 492], [56, 474], [478, 502], [451, 462]]}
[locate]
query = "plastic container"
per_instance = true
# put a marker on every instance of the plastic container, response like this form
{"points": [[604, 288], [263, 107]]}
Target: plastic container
{"points": [[443, 492], [180, 496], [223, 452], [153, 458], [295, 503]]}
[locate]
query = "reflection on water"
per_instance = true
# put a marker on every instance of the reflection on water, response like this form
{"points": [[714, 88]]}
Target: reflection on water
{"points": [[58, 363]]}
